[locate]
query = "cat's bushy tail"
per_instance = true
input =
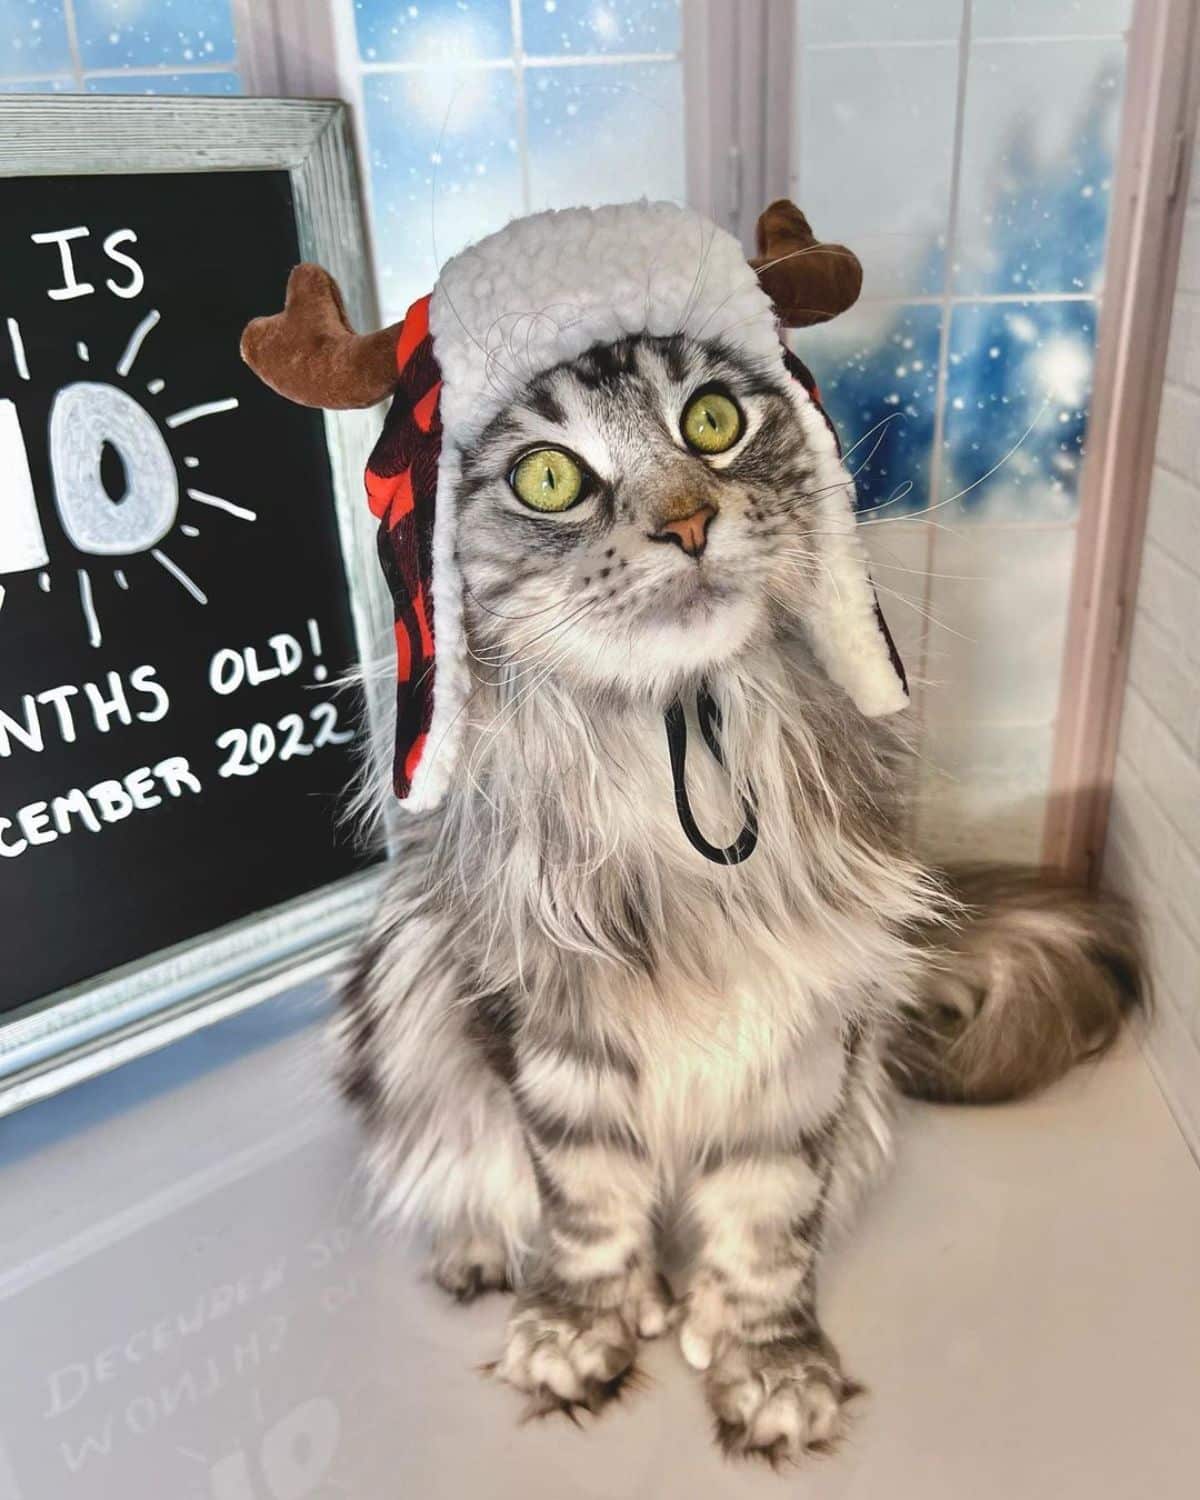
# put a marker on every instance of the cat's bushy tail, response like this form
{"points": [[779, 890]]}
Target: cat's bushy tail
{"points": [[1030, 979]]}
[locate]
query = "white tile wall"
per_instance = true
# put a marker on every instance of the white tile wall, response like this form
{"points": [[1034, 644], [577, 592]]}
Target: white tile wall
{"points": [[1153, 851]]}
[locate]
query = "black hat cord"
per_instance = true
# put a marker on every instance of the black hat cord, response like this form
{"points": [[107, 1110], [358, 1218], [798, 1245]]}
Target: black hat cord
{"points": [[708, 714]]}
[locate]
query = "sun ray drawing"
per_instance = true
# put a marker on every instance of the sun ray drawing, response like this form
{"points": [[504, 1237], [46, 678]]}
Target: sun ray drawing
{"points": [[204, 409], [151, 320], [179, 575], [88, 605], [202, 497], [18, 348]]}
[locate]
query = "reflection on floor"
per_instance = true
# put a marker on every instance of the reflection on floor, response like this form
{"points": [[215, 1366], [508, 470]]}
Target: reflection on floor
{"points": [[192, 1308]]}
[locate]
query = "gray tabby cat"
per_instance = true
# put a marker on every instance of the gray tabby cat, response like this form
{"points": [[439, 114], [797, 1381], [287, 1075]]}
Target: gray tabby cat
{"points": [[566, 1030], [583, 1050]]}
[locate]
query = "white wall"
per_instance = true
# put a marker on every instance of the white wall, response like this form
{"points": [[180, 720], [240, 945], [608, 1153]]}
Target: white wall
{"points": [[1153, 852]]}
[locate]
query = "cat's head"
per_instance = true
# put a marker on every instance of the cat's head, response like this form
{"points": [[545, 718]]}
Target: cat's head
{"points": [[600, 461], [636, 516]]}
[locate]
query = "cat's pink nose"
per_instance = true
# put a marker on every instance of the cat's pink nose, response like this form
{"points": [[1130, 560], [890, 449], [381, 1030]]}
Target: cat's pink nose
{"points": [[689, 532]]}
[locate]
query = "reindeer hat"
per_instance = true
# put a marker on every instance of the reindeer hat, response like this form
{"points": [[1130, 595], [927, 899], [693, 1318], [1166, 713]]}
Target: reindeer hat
{"points": [[460, 356]]}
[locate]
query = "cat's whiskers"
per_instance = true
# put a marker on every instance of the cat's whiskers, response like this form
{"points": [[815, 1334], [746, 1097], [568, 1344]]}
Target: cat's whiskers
{"points": [[892, 416], [698, 280], [925, 573], [508, 710], [924, 613], [974, 485], [500, 615], [803, 555], [791, 255], [550, 629]]}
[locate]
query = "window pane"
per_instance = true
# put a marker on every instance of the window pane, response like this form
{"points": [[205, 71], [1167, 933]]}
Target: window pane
{"points": [[33, 37], [1020, 373], [435, 31], [552, 26], [135, 33], [983, 786], [1038, 18], [879, 20], [166, 83], [625, 121], [1002, 591], [879, 366], [444, 170], [875, 150], [1038, 146]]}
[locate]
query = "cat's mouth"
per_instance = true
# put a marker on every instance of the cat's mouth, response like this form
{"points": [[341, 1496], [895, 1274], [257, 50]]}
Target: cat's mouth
{"points": [[692, 589]]}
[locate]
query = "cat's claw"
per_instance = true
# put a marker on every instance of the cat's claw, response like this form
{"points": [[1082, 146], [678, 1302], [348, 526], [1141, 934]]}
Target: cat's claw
{"points": [[567, 1357], [468, 1267], [777, 1401]]}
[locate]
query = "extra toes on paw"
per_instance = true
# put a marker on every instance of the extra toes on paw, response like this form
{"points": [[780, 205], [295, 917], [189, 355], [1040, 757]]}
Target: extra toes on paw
{"points": [[466, 1280], [595, 1396], [565, 1359], [779, 1412]]}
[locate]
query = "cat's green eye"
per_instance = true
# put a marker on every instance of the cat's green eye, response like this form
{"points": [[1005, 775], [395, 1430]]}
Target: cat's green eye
{"points": [[712, 423], [547, 479]]}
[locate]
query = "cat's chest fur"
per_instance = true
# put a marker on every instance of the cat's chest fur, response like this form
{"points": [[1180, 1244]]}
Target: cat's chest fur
{"points": [[728, 989], [753, 1065]]}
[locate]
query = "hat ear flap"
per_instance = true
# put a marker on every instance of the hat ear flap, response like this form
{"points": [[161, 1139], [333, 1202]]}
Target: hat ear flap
{"points": [[847, 630], [408, 490]]}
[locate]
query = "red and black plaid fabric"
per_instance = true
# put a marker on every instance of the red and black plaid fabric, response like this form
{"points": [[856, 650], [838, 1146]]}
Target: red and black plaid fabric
{"points": [[402, 475]]}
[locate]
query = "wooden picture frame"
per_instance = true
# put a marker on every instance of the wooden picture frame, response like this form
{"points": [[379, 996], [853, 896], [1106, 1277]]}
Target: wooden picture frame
{"points": [[92, 1026]]}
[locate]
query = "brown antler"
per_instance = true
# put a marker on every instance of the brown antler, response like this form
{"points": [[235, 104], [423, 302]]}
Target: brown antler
{"points": [[808, 281], [310, 354]]}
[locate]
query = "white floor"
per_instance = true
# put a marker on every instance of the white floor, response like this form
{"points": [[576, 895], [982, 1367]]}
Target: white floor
{"points": [[191, 1309]]}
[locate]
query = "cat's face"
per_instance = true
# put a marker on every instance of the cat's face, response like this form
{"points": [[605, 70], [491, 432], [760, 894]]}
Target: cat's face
{"points": [[629, 520]]}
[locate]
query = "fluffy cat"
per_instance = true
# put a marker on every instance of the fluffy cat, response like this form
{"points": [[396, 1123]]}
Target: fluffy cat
{"points": [[568, 1034]]}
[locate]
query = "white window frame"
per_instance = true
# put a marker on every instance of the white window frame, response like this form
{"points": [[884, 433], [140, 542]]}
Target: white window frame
{"points": [[1162, 96], [738, 92]]}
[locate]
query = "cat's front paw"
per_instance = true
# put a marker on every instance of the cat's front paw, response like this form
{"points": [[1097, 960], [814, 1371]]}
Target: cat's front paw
{"points": [[778, 1400], [563, 1357], [468, 1265]]}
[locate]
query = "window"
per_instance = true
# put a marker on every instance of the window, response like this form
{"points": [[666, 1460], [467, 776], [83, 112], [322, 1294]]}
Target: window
{"points": [[964, 149], [118, 46], [476, 111]]}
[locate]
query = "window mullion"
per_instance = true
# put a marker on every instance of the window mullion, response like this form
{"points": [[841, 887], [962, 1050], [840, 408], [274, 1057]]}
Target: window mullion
{"points": [[518, 61], [710, 33], [948, 276]]}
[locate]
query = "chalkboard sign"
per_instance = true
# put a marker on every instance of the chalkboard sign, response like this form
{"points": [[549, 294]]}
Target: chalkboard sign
{"points": [[176, 604]]}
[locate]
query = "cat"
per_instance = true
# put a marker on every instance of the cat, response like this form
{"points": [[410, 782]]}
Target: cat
{"points": [[576, 1043]]}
